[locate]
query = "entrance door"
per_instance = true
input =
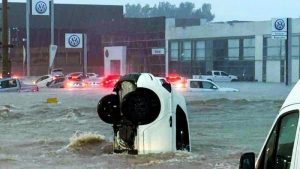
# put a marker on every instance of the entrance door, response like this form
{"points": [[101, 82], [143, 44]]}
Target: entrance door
{"points": [[115, 67]]}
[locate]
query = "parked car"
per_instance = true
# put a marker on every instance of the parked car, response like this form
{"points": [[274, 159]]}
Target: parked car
{"points": [[15, 85], [206, 85], [92, 75], [219, 76], [110, 81], [78, 82], [73, 75], [281, 149], [56, 83]]}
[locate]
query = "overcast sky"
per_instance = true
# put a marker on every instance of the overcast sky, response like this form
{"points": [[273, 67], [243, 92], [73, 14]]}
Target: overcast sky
{"points": [[224, 10]]}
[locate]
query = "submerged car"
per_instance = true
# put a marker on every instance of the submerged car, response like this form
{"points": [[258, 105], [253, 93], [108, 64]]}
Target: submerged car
{"points": [[147, 114], [56, 83], [206, 85], [16, 85], [45, 79]]}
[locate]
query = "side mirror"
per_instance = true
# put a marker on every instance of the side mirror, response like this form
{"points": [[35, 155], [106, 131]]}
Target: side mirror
{"points": [[247, 161], [215, 87]]}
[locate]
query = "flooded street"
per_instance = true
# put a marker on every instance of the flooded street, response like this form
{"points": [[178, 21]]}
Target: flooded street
{"points": [[35, 134]]}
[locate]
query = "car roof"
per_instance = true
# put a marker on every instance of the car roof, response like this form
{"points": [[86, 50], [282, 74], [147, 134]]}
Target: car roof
{"points": [[293, 97]]}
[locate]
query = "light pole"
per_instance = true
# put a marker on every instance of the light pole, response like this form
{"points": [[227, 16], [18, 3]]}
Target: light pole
{"points": [[28, 36], [6, 64]]}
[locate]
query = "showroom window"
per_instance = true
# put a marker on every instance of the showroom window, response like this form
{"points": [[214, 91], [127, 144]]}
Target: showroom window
{"points": [[174, 51]]}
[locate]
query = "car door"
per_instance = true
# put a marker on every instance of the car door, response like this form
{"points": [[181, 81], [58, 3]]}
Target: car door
{"points": [[217, 76], [278, 151], [225, 77]]}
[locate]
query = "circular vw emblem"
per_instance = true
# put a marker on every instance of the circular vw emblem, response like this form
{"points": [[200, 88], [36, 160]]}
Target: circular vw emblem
{"points": [[41, 7], [74, 40], [279, 24]]}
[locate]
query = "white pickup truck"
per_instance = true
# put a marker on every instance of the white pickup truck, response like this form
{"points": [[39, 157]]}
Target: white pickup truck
{"points": [[219, 76]]}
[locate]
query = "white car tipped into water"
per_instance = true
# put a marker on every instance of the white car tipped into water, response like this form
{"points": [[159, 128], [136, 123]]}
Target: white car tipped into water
{"points": [[206, 85]]}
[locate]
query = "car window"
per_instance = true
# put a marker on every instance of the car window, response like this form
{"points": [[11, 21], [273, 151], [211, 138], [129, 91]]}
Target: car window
{"points": [[4, 84], [224, 74], [42, 78], [196, 84], [208, 85], [279, 148], [217, 73], [12, 83]]}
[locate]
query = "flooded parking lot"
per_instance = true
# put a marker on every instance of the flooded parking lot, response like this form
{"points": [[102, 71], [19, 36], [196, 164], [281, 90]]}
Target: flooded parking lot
{"points": [[223, 125]]}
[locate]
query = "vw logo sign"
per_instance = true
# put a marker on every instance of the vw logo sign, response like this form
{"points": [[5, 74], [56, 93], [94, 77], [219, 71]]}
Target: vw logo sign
{"points": [[41, 7], [74, 40], [279, 24]]}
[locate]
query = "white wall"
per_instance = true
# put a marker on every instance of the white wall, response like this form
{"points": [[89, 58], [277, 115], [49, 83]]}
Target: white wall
{"points": [[273, 71], [115, 53], [258, 57]]}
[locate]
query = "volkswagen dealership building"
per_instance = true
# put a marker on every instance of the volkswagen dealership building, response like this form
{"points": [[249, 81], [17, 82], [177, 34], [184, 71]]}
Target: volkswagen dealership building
{"points": [[156, 45]]}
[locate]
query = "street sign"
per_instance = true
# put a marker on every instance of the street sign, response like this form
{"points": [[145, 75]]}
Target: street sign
{"points": [[279, 28], [40, 7], [158, 51], [73, 40]]}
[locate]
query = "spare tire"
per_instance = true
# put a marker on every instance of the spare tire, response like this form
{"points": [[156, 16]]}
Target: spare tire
{"points": [[109, 109], [141, 107]]}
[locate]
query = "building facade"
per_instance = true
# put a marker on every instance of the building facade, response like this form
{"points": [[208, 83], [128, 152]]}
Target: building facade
{"points": [[245, 49]]}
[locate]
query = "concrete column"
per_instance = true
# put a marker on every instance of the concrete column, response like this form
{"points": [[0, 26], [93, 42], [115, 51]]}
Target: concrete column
{"points": [[259, 46]]}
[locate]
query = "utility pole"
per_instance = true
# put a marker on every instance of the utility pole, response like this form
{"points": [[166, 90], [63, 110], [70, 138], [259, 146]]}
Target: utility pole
{"points": [[52, 36], [6, 64]]}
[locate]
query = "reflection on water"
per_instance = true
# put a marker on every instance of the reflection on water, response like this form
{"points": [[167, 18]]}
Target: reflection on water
{"points": [[223, 126]]}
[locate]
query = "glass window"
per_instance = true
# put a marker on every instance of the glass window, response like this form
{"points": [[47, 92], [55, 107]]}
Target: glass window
{"points": [[279, 148], [187, 50], [12, 83], [4, 84], [224, 74], [208, 85], [217, 73], [249, 53], [196, 84], [295, 51], [275, 52], [174, 51], [233, 54], [233, 49], [249, 42], [233, 43], [295, 40], [274, 42], [200, 50]]}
